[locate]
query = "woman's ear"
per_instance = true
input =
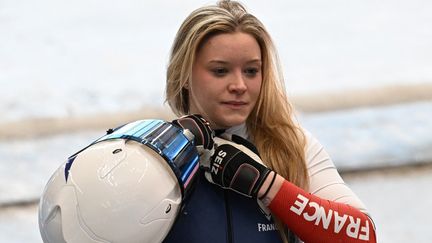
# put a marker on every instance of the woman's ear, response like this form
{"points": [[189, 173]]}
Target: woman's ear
{"points": [[186, 86]]}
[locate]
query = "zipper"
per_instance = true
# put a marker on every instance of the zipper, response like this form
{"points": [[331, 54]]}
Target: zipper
{"points": [[228, 218]]}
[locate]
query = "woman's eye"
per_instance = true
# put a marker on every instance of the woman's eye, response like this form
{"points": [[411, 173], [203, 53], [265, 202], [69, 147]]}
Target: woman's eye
{"points": [[251, 71], [219, 71]]}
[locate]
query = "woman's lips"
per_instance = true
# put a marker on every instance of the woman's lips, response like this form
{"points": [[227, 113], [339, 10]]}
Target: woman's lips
{"points": [[235, 104]]}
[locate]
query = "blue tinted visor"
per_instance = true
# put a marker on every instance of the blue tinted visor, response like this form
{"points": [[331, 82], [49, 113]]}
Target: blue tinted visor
{"points": [[164, 138]]}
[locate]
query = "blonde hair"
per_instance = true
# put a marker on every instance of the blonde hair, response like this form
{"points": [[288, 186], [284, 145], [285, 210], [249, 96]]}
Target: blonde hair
{"points": [[271, 124]]}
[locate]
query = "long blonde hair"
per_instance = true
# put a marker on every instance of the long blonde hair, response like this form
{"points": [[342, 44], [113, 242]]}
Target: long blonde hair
{"points": [[271, 123]]}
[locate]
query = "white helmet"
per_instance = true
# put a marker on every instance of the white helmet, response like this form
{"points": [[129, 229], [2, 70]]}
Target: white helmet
{"points": [[127, 186]]}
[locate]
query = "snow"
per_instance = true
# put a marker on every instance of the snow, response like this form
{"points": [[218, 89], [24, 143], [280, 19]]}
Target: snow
{"points": [[398, 202], [375, 137]]}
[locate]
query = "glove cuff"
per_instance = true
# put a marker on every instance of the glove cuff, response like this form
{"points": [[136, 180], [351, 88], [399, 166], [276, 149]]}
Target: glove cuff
{"points": [[269, 187]]}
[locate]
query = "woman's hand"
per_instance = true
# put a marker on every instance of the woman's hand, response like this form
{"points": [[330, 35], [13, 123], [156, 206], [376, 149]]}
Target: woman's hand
{"points": [[203, 135], [237, 166]]}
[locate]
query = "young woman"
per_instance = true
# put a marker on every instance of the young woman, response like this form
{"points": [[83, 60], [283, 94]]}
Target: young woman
{"points": [[224, 66]]}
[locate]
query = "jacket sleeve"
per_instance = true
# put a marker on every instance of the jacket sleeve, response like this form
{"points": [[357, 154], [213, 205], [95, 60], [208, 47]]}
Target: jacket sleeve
{"points": [[314, 219], [329, 211]]}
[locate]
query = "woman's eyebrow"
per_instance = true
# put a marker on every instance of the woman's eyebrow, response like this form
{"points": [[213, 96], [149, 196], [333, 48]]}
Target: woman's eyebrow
{"points": [[226, 62], [254, 60], [218, 61]]}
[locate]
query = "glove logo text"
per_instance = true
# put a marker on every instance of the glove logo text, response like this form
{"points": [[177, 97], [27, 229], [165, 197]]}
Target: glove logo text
{"points": [[217, 162]]}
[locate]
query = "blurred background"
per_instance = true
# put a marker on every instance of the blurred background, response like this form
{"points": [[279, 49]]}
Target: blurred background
{"points": [[358, 72]]}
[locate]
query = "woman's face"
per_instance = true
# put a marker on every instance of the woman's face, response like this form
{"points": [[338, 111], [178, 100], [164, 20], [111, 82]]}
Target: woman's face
{"points": [[226, 79]]}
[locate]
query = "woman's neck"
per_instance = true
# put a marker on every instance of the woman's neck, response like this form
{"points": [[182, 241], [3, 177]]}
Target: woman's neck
{"points": [[239, 130]]}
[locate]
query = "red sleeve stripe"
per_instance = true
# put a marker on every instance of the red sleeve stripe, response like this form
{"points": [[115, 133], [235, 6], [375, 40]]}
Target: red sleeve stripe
{"points": [[318, 220]]}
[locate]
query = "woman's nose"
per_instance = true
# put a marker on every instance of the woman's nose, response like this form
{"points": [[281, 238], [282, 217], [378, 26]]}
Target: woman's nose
{"points": [[237, 83]]}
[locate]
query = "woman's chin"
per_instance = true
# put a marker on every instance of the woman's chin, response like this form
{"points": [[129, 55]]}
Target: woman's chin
{"points": [[227, 122]]}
